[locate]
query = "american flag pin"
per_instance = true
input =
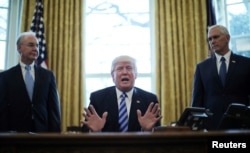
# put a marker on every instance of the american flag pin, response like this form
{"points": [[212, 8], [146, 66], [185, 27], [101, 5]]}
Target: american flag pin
{"points": [[138, 101], [234, 61]]}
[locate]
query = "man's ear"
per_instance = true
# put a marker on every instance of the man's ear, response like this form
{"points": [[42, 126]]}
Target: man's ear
{"points": [[18, 49], [228, 38], [112, 75], [19, 52]]}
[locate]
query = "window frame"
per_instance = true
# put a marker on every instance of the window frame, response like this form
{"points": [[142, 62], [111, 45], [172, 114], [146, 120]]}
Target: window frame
{"points": [[13, 30], [222, 18], [140, 75]]}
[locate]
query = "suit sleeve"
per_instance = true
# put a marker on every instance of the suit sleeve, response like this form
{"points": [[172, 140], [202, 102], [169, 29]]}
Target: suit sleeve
{"points": [[54, 109], [198, 91], [84, 127], [159, 122], [3, 106]]}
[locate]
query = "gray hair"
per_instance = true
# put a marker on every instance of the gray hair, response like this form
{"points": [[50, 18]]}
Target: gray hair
{"points": [[23, 35], [123, 58], [221, 28]]}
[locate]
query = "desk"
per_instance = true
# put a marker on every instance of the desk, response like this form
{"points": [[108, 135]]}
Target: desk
{"points": [[158, 142]]}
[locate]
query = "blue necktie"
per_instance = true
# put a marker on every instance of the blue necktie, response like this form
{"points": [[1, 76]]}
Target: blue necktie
{"points": [[123, 115], [223, 70], [29, 81]]}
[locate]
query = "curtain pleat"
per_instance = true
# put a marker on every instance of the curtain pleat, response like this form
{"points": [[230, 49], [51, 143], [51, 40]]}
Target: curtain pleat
{"points": [[63, 34], [180, 44]]}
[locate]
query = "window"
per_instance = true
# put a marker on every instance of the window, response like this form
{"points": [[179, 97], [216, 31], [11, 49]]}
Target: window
{"points": [[114, 28], [9, 29], [235, 14], [4, 8]]}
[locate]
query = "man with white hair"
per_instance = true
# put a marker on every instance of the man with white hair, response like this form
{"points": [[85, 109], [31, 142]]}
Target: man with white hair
{"points": [[222, 79], [29, 101], [142, 111]]}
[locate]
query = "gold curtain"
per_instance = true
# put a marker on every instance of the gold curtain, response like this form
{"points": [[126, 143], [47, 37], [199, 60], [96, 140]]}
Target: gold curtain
{"points": [[180, 45], [63, 34]]}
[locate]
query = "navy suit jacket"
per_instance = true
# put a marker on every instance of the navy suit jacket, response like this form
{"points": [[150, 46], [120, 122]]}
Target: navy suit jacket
{"points": [[18, 112], [209, 92], [106, 100]]}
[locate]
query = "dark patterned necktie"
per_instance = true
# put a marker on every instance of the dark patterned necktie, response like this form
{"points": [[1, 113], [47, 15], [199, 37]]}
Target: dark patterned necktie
{"points": [[223, 70], [123, 115]]}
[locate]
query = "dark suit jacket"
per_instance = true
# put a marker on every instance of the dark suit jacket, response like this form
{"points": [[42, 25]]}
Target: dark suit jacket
{"points": [[106, 100], [209, 92], [17, 109]]}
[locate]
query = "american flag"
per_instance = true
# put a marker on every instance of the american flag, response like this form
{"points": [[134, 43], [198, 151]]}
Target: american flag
{"points": [[37, 26]]}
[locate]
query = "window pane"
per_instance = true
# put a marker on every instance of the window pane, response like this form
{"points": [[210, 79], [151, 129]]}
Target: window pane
{"points": [[10, 19], [233, 1], [106, 53], [238, 16], [112, 6], [3, 31], [2, 54], [235, 14], [3, 23], [4, 3], [144, 82], [238, 19], [238, 8], [114, 28]]}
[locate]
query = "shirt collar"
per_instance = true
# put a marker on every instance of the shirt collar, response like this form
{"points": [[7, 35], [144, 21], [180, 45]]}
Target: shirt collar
{"points": [[129, 93], [23, 65], [226, 56]]}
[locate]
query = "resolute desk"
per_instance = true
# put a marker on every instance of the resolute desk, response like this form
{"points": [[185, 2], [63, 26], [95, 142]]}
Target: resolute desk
{"points": [[141, 142]]}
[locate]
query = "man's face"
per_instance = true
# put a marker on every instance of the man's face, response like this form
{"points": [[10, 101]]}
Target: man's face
{"points": [[28, 49], [124, 76], [218, 41]]}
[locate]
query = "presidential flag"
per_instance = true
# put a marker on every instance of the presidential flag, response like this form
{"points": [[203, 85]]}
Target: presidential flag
{"points": [[37, 26], [211, 20]]}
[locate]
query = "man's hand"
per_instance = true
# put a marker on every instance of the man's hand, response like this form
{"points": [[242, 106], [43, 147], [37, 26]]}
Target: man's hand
{"points": [[150, 118], [93, 120]]}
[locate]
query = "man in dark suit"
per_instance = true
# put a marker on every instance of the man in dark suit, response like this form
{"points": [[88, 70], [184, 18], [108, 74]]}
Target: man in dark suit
{"points": [[142, 107], [19, 112], [209, 91]]}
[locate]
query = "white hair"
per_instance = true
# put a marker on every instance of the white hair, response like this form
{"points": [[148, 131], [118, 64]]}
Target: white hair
{"points": [[123, 58], [24, 34], [222, 29]]}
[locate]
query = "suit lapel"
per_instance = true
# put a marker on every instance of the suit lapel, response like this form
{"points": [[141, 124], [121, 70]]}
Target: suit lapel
{"points": [[135, 105], [112, 105], [233, 62], [20, 78], [37, 79], [20, 83]]}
